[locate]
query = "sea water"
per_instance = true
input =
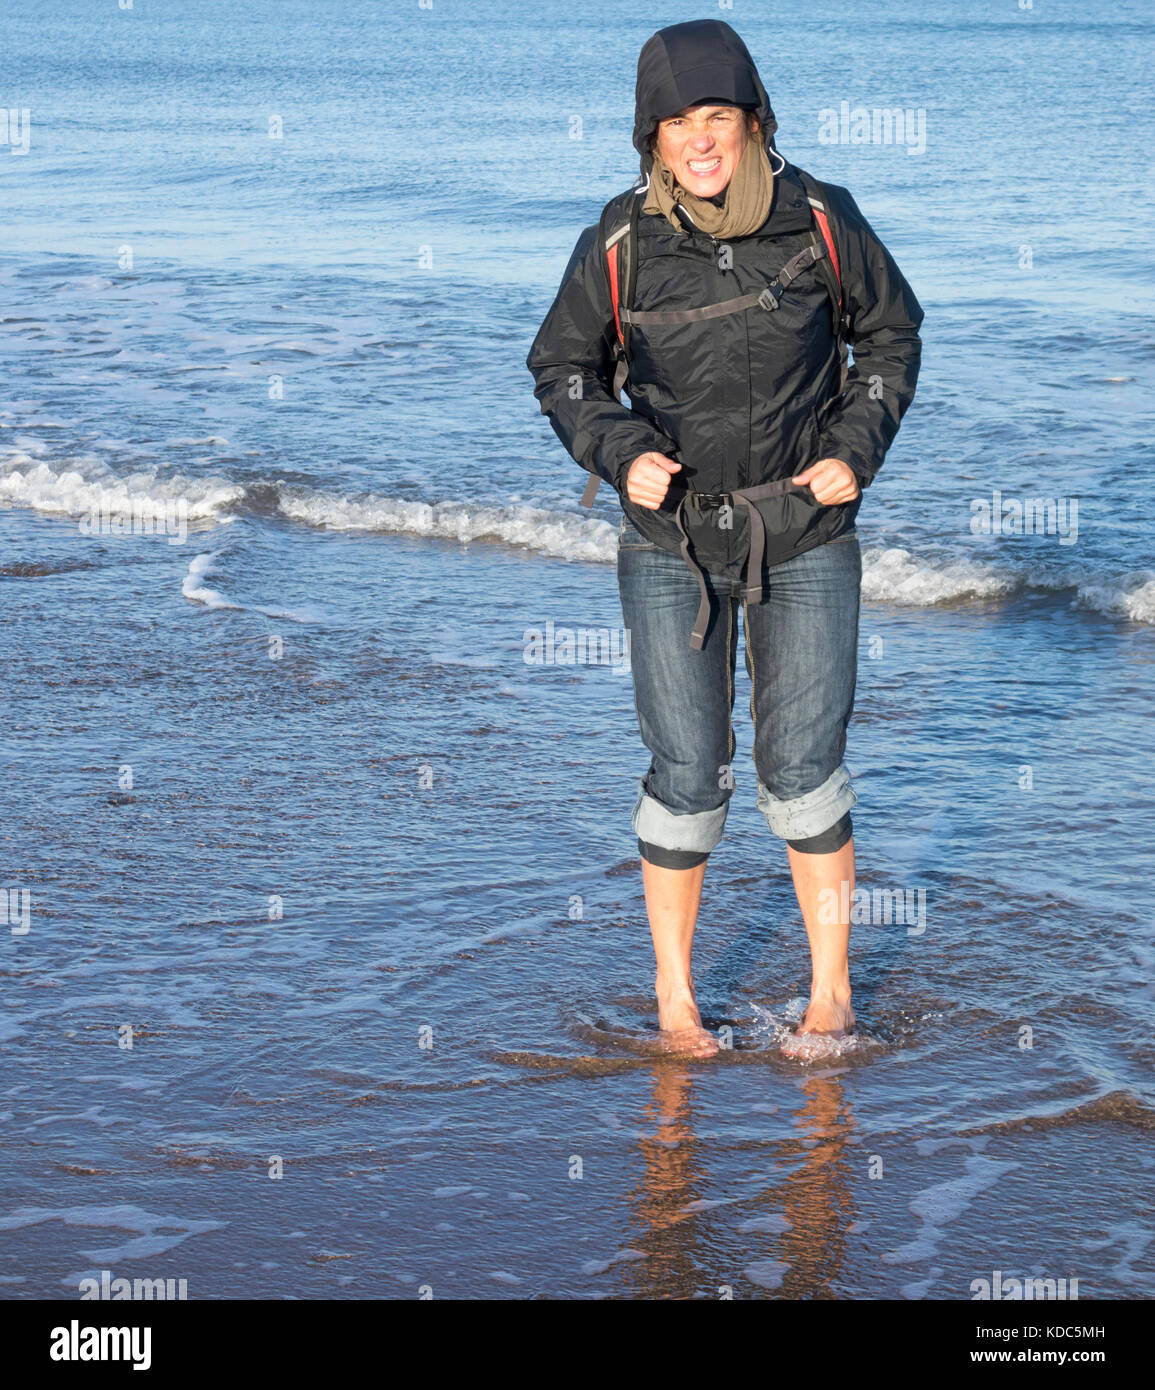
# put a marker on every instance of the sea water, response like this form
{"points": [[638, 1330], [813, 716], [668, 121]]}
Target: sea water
{"points": [[326, 968]]}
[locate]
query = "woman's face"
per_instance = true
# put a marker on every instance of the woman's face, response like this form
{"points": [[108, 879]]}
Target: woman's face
{"points": [[702, 146]]}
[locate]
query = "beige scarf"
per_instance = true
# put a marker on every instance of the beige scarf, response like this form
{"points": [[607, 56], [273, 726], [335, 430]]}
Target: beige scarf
{"points": [[747, 202]]}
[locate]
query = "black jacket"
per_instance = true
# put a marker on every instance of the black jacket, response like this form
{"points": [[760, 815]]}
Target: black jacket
{"points": [[745, 398]]}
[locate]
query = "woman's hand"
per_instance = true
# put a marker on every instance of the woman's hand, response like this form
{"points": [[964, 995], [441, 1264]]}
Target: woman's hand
{"points": [[830, 480], [649, 479]]}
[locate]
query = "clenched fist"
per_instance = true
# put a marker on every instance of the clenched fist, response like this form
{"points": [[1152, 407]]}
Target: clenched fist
{"points": [[649, 479], [830, 480]]}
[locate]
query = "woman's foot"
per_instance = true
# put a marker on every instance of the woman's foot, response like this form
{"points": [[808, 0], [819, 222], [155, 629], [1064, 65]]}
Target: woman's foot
{"points": [[827, 1021], [827, 1015], [681, 1023]]}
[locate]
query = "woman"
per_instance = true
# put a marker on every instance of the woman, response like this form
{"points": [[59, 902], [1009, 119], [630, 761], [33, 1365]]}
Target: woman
{"points": [[739, 463]]}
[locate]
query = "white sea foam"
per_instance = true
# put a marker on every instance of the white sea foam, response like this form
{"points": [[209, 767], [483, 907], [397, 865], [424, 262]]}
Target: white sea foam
{"points": [[943, 1203], [154, 1233], [889, 575], [767, 1274], [622, 1256], [774, 1224], [897, 576], [91, 489], [193, 589], [1133, 599], [559, 534]]}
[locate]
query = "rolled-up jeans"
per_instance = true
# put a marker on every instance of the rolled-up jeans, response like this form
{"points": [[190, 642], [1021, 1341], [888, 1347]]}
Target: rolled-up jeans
{"points": [[801, 656]]}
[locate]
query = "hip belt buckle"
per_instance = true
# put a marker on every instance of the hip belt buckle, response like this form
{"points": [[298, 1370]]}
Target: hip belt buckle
{"points": [[713, 499]]}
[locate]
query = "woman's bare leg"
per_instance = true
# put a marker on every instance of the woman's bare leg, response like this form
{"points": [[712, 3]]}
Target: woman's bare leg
{"points": [[672, 900], [818, 880]]}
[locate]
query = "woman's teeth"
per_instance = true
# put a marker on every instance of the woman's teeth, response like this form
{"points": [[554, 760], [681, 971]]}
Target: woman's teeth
{"points": [[703, 166]]}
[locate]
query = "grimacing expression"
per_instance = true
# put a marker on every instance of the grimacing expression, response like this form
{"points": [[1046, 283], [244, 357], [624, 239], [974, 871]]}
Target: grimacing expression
{"points": [[702, 145]]}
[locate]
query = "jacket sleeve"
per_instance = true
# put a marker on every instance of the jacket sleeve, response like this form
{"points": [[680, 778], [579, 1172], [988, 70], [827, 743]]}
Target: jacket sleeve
{"points": [[572, 363], [884, 323]]}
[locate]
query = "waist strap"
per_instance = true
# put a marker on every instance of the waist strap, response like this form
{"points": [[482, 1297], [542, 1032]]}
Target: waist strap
{"points": [[747, 496]]}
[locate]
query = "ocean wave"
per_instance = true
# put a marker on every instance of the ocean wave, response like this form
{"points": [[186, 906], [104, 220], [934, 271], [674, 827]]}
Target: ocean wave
{"points": [[192, 587], [891, 575], [89, 489], [196, 591], [1117, 1107], [1134, 599], [559, 534], [897, 576]]}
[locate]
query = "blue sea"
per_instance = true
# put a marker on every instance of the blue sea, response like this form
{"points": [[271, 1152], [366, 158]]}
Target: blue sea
{"points": [[326, 971]]}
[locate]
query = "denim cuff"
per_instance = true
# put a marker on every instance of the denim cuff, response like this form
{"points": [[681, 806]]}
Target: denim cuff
{"points": [[829, 842], [658, 825], [671, 858], [800, 817]]}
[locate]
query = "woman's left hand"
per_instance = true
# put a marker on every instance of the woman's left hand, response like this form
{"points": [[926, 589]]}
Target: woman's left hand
{"points": [[830, 480]]}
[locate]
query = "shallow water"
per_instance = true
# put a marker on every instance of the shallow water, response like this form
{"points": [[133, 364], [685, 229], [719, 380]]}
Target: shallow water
{"points": [[290, 803]]}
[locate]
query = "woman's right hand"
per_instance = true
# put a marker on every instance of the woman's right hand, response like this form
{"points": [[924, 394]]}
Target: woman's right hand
{"points": [[649, 479]]}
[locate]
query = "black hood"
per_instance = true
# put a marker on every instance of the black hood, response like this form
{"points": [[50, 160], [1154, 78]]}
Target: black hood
{"points": [[687, 63]]}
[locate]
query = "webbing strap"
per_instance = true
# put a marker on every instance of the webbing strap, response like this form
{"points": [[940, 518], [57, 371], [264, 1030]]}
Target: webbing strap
{"points": [[747, 496], [767, 298], [711, 311], [702, 621]]}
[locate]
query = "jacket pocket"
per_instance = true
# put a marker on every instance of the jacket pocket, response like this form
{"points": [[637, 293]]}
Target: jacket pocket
{"points": [[644, 369]]}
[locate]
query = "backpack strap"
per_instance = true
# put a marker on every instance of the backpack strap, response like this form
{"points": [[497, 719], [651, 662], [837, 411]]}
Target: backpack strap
{"points": [[830, 268], [619, 247]]}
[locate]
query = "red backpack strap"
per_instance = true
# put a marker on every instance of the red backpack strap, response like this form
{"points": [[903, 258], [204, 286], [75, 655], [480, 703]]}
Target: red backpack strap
{"points": [[618, 246], [828, 237], [612, 245], [830, 269], [816, 197]]}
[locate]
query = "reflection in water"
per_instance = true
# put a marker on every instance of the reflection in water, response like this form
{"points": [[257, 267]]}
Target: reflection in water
{"points": [[816, 1196], [670, 1178], [791, 1236]]}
